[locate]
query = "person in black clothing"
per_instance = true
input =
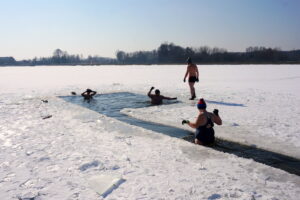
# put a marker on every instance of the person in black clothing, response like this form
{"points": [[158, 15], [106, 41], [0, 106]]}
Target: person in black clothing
{"points": [[88, 94], [205, 133]]}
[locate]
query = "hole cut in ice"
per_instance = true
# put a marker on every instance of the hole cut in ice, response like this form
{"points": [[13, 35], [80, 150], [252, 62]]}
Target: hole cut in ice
{"points": [[111, 105]]}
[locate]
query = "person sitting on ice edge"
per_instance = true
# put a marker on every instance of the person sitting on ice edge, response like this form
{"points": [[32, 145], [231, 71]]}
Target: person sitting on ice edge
{"points": [[205, 133], [157, 99], [88, 94]]}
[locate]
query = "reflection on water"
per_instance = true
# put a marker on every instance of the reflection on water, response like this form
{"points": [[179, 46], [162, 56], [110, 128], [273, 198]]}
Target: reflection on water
{"points": [[111, 105]]}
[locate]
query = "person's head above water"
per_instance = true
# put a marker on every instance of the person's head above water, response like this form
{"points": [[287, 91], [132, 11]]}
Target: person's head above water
{"points": [[201, 104], [88, 94], [189, 60], [157, 92]]}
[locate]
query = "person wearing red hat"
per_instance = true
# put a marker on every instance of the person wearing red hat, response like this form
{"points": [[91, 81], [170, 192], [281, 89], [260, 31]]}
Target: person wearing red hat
{"points": [[204, 124], [193, 73]]}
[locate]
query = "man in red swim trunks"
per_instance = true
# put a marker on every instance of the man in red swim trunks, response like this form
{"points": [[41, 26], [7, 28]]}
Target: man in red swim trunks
{"points": [[192, 72]]}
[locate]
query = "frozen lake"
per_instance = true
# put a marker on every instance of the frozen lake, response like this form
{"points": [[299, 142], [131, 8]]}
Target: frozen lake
{"points": [[44, 158], [110, 105]]}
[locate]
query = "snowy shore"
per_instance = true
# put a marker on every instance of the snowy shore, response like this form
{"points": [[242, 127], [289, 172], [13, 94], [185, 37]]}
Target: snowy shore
{"points": [[53, 158]]}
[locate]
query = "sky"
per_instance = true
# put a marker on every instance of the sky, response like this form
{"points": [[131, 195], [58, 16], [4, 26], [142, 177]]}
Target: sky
{"points": [[35, 28]]}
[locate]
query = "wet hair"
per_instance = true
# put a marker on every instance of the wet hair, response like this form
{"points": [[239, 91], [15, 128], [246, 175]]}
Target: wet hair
{"points": [[157, 92], [88, 90], [189, 60]]}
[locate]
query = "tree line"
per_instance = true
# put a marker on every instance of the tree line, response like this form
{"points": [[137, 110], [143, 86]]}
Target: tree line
{"points": [[168, 53], [61, 57]]}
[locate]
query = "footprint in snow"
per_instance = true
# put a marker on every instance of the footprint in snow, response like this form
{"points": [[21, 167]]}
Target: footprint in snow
{"points": [[89, 165], [214, 196]]}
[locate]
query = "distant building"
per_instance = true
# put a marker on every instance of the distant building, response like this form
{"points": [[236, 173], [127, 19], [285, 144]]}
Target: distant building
{"points": [[7, 61]]}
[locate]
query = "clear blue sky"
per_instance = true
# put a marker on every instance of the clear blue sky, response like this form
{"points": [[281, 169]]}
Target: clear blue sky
{"points": [[31, 28]]}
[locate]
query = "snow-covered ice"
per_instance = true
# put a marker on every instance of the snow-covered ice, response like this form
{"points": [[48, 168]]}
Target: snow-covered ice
{"points": [[54, 158]]}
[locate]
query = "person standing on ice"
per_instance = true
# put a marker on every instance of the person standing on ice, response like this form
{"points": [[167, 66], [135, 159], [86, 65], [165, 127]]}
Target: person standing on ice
{"points": [[204, 124], [88, 94], [157, 99], [193, 74]]}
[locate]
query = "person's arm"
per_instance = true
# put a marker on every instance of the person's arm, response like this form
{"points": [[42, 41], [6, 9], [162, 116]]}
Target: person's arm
{"points": [[197, 73], [198, 122], [187, 72], [149, 93], [216, 118], [93, 93], [169, 98], [83, 94]]}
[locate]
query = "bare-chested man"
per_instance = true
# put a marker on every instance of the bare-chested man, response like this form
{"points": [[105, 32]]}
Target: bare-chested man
{"points": [[156, 99], [88, 94], [192, 72]]}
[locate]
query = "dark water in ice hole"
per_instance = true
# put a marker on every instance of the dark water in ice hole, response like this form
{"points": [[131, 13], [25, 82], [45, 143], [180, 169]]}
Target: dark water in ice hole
{"points": [[111, 104]]}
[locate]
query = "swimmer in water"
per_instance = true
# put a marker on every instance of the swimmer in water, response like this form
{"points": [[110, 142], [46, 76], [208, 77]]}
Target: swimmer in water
{"points": [[88, 94], [157, 99]]}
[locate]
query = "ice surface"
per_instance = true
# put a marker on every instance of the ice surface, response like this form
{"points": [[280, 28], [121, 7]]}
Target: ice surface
{"points": [[43, 158], [104, 184]]}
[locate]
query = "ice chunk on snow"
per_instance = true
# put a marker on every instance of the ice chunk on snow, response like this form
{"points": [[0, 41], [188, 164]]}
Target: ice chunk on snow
{"points": [[104, 184]]}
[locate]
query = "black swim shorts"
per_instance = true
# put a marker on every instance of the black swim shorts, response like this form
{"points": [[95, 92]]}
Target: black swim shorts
{"points": [[206, 137], [192, 79]]}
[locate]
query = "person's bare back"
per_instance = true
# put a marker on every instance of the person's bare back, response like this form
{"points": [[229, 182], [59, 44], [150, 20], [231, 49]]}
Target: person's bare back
{"points": [[192, 70], [157, 99]]}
